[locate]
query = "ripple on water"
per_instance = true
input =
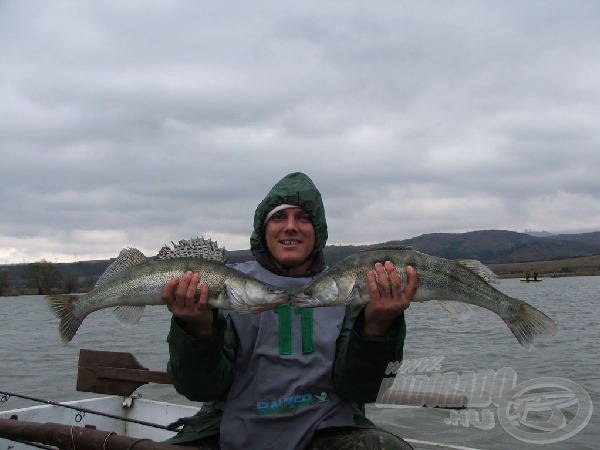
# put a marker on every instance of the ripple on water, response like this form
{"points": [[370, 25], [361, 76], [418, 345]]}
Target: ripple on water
{"points": [[34, 361]]}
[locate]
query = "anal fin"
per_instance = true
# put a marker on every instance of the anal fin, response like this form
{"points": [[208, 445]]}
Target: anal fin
{"points": [[459, 310], [128, 315]]}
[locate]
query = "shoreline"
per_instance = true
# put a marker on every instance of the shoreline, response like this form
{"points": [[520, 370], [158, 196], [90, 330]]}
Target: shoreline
{"points": [[570, 267]]}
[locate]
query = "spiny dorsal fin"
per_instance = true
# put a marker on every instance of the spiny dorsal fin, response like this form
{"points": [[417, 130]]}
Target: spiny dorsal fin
{"points": [[194, 248], [129, 257], [479, 268]]}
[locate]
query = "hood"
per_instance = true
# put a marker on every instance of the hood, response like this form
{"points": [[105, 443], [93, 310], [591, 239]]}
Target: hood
{"points": [[293, 189]]}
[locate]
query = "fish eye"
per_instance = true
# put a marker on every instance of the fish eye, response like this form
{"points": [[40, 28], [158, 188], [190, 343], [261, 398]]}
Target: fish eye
{"points": [[308, 292]]}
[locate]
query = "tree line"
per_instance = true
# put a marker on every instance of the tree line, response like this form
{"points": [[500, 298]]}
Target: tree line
{"points": [[43, 277]]}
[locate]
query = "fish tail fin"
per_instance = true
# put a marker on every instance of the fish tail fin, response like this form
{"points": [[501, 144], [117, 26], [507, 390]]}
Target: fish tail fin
{"points": [[529, 324], [62, 307]]}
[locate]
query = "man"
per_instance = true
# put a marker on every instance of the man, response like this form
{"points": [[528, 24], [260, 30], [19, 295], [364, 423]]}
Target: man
{"points": [[286, 378]]}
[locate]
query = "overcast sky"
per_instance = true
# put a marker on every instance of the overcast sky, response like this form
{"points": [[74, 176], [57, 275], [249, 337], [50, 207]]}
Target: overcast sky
{"points": [[135, 123]]}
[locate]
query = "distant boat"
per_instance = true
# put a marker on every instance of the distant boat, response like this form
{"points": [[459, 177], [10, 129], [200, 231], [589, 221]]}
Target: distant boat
{"points": [[531, 280]]}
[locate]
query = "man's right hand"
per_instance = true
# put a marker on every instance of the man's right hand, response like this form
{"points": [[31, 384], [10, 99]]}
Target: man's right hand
{"points": [[181, 297]]}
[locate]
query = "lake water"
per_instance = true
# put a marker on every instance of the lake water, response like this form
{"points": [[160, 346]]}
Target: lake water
{"points": [[34, 362]]}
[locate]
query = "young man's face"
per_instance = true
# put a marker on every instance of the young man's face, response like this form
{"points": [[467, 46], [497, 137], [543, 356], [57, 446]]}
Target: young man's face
{"points": [[290, 239]]}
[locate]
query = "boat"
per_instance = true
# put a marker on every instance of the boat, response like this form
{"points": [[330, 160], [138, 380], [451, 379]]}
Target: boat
{"points": [[117, 420], [530, 280]]}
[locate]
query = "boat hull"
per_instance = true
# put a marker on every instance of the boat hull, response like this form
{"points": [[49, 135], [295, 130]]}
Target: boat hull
{"points": [[132, 408]]}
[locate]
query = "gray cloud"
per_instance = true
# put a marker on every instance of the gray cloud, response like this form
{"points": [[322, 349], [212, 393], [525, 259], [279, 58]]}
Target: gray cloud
{"points": [[138, 123]]}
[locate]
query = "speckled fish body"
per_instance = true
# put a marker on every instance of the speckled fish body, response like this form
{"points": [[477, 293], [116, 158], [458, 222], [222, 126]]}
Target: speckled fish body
{"points": [[134, 281], [454, 284]]}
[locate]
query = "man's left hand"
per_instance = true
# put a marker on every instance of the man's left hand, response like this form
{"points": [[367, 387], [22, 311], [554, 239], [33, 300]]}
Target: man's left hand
{"points": [[388, 298]]}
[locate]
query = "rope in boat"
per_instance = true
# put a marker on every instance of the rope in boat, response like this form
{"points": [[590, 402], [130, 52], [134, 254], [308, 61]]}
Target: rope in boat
{"points": [[7, 395]]}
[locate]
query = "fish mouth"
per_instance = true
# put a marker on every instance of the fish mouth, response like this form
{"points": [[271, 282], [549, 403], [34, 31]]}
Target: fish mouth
{"points": [[296, 300], [300, 303], [272, 303], [277, 299]]}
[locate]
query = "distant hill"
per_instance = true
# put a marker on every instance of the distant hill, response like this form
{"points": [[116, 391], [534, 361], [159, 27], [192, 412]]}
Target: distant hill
{"points": [[593, 237], [537, 233], [488, 246], [499, 246]]}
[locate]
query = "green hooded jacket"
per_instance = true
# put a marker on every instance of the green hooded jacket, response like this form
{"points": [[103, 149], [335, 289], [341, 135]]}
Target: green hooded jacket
{"points": [[202, 369], [294, 189], [298, 190]]}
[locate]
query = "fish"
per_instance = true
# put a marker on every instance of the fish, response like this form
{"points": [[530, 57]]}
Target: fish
{"points": [[134, 281], [455, 284]]}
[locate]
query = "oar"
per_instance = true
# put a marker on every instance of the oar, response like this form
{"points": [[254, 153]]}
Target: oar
{"points": [[114, 373], [119, 373]]}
